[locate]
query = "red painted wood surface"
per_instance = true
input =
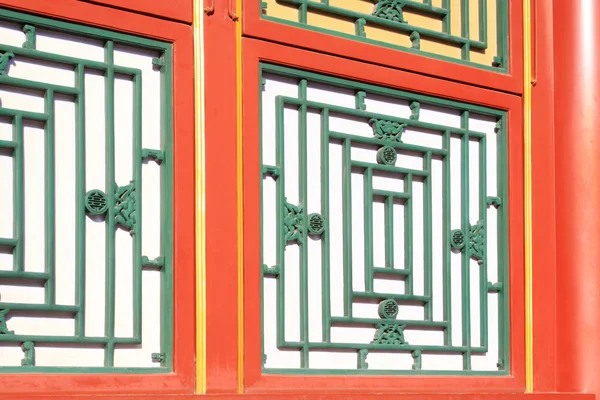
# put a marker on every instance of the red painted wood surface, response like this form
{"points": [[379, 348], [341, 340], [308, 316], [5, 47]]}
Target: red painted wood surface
{"points": [[325, 396], [543, 200], [221, 202], [180, 10], [182, 379], [256, 27], [576, 118], [255, 381]]}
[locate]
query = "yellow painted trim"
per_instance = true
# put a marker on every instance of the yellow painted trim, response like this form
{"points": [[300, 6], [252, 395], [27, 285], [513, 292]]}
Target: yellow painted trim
{"points": [[240, 197], [200, 200], [528, 223]]}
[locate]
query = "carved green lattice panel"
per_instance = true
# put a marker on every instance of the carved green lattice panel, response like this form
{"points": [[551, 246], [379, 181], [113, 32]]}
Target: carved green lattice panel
{"points": [[383, 230], [85, 156], [472, 32]]}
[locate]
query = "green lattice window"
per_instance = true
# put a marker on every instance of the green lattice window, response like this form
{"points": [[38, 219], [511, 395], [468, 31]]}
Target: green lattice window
{"points": [[473, 32], [85, 243], [383, 230]]}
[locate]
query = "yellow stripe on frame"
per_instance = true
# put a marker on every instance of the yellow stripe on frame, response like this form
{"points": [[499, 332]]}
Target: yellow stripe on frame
{"points": [[528, 214], [200, 200], [240, 197]]}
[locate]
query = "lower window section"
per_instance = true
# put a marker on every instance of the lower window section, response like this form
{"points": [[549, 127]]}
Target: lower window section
{"points": [[85, 263], [383, 229]]}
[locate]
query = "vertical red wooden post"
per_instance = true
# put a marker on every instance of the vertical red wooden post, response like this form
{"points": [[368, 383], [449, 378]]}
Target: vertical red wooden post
{"points": [[543, 171], [577, 121], [221, 201]]}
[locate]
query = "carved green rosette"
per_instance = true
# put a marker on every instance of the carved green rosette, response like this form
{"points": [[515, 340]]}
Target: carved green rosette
{"points": [[390, 334], [96, 202], [387, 130], [387, 155], [125, 212], [390, 10], [388, 309], [316, 224], [457, 239], [293, 221], [477, 245]]}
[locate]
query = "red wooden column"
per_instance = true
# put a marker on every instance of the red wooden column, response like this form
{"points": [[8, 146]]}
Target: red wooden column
{"points": [[577, 135]]}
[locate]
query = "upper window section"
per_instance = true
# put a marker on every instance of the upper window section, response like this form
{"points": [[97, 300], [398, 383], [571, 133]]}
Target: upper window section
{"points": [[472, 32]]}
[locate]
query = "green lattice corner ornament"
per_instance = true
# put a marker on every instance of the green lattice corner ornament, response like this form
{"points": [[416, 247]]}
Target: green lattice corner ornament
{"points": [[415, 40], [95, 202], [387, 155], [415, 110], [360, 100], [125, 207], [417, 360], [30, 37], [387, 130], [457, 239], [359, 27], [3, 327], [316, 224], [477, 243], [362, 359], [390, 10], [4, 60], [494, 201], [158, 262], [390, 334], [293, 223], [151, 154], [388, 309], [29, 350]]}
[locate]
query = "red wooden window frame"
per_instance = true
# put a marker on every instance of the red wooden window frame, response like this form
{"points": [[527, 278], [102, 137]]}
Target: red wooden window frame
{"points": [[255, 26], [255, 51], [181, 380], [180, 10]]}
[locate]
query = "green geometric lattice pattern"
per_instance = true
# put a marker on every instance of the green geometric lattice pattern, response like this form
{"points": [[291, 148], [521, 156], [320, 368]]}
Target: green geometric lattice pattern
{"points": [[383, 230], [471, 32], [85, 160]]}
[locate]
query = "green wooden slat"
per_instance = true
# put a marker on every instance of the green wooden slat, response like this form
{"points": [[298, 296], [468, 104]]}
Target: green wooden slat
{"points": [[18, 194], [110, 185], [80, 229], [50, 199], [466, 227], [137, 178]]}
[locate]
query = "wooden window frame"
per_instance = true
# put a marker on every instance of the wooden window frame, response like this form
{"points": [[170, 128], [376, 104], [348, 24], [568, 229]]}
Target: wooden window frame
{"points": [[255, 26], [256, 51]]}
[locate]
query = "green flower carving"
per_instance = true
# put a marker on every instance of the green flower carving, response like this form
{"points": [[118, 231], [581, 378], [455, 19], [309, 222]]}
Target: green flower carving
{"points": [[387, 130], [391, 10]]}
